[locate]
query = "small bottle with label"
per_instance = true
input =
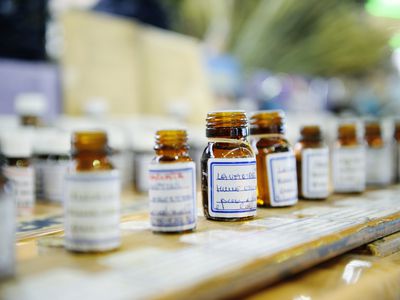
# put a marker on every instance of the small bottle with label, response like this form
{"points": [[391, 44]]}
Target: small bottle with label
{"points": [[92, 196], [55, 167], [276, 163], [228, 169], [30, 107], [17, 149], [172, 179], [396, 146], [348, 160], [312, 157], [7, 229], [378, 156]]}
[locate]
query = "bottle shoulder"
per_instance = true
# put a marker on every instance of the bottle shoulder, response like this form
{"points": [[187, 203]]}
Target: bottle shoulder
{"points": [[228, 150]]}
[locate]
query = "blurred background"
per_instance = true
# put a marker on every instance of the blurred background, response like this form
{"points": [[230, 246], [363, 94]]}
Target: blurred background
{"points": [[138, 65]]}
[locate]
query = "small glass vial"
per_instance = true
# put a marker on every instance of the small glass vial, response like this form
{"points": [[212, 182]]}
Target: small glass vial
{"points": [[276, 163], [396, 146], [312, 158], [17, 149], [348, 160], [55, 167], [7, 229], [172, 178], [92, 196], [30, 107], [228, 169], [378, 156]]}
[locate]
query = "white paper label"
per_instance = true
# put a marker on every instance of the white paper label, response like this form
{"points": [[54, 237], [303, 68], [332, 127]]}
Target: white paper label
{"points": [[172, 196], [282, 178], [232, 187], [348, 166], [23, 182], [398, 162], [378, 166], [38, 166], [142, 163], [315, 173], [7, 234], [92, 211], [53, 180]]}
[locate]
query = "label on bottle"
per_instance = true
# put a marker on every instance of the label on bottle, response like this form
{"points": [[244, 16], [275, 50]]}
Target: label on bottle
{"points": [[172, 195], [142, 163], [23, 186], [53, 174], [232, 187], [378, 166], [315, 173], [348, 166], [92, 211], [282, 178], [38, 166], [7, 233], [398, 162]]}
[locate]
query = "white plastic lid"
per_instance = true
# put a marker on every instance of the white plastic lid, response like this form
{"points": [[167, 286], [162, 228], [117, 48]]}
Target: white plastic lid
{"points": [[95, 107], [33, 104], [16, 144], [51, 141], [60, 143]]}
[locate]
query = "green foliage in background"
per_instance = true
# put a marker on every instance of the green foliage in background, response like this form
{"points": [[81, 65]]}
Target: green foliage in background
{"points": [[315, 37]]}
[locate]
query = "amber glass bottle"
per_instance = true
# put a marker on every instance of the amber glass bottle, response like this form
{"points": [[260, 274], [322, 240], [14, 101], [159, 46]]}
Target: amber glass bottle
{"points": [[312, 158], [172, 189], [228, 168], [396, 146], [276, 164], [378, 156], [348, 160], [92, 196]]}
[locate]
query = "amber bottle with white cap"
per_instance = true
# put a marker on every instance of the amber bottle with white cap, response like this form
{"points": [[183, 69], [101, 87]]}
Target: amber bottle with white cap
{"points": [[228, 168], [30, 107], [92, 196], [17, 149]]}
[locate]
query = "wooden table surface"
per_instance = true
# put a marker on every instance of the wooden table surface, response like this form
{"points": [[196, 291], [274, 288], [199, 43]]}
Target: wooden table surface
{"points": [[218, 260]]}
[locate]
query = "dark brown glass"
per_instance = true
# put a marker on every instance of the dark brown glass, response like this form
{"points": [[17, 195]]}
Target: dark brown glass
{"points": [[224, 125], [396, 166], [171, 146], [347, 135], [90, 151], [373, 135], [269, 123], [311, 138], [30, 121]]}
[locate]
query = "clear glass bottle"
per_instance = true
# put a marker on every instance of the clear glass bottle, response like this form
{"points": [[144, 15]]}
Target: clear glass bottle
{"points": [[312, 158], [17, 149], [276, 163], [228, 168], [172, 177], [378, 155], [348, 160], [92, 196], [7, 229]]}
